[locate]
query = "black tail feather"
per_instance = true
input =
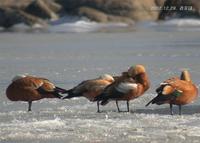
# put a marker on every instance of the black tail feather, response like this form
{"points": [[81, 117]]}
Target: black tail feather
{"points": [[61, 90], [152, 101], [57, 95], [67, 97], [71, 96], [159, 99], [54, 92]]}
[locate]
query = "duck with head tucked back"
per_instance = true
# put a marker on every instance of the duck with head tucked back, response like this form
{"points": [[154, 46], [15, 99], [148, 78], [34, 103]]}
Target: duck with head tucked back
{"points": [[31, 88], [90, 88], [176, 91], [130, 85]]}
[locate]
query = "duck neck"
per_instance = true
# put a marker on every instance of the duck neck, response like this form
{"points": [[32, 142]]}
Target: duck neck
{"points": [[185, 76], [143, 79]]}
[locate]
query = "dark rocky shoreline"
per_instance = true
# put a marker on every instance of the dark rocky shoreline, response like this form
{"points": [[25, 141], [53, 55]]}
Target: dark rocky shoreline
{"points": [[33, 12]]}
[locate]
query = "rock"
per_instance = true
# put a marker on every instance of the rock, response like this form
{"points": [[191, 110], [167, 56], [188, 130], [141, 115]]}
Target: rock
{"points": [[113, 7], [44, 9], [160, 3], [37, 11], [112, 18], [9, 17], [129, 9], [93, 14], [100, 16], [142, 10], [54, 6], [30, 12], [180, 9], [32, 20], [16, 4], [71, 5]]}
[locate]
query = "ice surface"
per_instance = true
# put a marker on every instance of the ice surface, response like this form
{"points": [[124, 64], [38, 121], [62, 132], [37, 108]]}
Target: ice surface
{"points": [[67, 59], [182, 22]]}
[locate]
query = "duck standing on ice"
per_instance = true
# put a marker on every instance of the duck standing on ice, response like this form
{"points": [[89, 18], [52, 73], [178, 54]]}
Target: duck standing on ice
{"points": [[29, 88], [90, 88], [130, 85], [176, 91]]}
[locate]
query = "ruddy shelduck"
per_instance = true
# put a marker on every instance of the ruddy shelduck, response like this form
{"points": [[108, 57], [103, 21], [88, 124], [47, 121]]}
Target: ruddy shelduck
{"points": [[176, 91], [130, 85], [30, 88], [90, 88]]}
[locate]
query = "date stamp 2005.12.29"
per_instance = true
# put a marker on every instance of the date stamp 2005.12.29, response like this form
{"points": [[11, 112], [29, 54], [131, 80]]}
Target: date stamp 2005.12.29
{"points": [[173, 8]]}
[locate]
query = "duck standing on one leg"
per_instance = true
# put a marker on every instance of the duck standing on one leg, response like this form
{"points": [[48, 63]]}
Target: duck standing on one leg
{"points": [[30, 88], [130, 85], [90, 88], [176, 91]]}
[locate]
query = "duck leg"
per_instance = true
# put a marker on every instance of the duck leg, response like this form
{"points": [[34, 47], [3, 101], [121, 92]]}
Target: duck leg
{"points": [[171, 110], [98, 111], [127, 103], [117, 106], [29, 105], [180, 109]]}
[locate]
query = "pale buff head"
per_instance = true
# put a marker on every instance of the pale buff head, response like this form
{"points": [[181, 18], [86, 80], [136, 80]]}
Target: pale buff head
{"points": [[19, 76], [169, 90], [135, 70], [185, 75], [107, 77]]}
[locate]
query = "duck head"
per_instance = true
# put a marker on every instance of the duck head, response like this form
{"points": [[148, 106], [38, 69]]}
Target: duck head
{"points": [[185, 75], [167, 89], [136, 70]]}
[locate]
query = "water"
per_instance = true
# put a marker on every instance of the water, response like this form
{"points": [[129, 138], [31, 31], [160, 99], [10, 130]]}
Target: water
{"points": [[68, 57]]}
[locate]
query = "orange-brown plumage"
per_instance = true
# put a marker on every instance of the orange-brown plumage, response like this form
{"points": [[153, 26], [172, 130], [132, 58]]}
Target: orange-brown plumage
{"points": [[30, 88], [90, 88], [130, 85], [176, 91]]}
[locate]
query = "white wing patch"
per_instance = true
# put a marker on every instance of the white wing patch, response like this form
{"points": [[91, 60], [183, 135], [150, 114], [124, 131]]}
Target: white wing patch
{"points": [[163, 83], [125, 87], [18, 77]]}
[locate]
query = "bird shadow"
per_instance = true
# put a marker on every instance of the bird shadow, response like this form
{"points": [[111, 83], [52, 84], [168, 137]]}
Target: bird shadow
{"points": [[112, 111], [186, 110]]}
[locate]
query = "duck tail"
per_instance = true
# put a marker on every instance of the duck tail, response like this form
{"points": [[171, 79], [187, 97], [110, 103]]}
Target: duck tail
{"points": [[61, 90], [44, 92], [57, 95], [159, 99], [71, 94], [150, 102]]}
